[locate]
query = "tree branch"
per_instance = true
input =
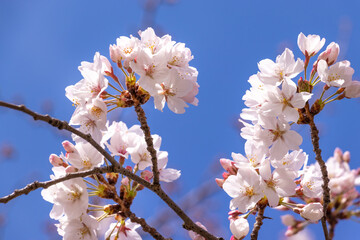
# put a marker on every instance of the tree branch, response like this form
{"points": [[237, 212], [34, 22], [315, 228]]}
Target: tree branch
{"points": [[35, 185], [258, 223], [61, 125], [326, 191], [149, 141], [146, 228], [188, 223]]}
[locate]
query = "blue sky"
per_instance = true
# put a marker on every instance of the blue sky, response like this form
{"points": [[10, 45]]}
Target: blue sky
{"points": [[43, 42]]}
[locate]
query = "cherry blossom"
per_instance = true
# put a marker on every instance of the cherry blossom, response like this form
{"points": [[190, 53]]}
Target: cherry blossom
{"points": [[124, 231], [338, 75], [245, 188], [285, 101], [312, 212], [69, 197], [310, 45], [84, 156], [285, 67], [83, 228]]}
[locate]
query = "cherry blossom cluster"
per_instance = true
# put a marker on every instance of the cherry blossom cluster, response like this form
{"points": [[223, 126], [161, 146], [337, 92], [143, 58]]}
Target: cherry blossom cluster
{"points": [[162, 68], [344, 196], [274, 169]]}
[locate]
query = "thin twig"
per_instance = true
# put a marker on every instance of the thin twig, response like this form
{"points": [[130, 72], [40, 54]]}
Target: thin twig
{"points": [[97, 170], [149, 141], [61, 125], [146, 227], [35, 185], [326, 191], [188, 223], [258, 222]]}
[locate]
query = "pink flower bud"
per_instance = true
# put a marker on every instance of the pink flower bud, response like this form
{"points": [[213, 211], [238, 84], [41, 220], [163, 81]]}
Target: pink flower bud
{"points": [[106, 66], [114, 53], [338, 153], [234, 214], [225, 163], [346, 156], [331, 53], [312, 212], [125, 181], [228, 165], [146, 174], [219, 182], [68, 146], [225, 175], [239, 228], [55, 160]]}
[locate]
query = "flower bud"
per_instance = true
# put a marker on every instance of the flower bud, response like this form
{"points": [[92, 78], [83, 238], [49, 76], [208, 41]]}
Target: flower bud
{"points": [[147, 175], [331, 53], [225, 175], [68, 146], [125, 100], [234, 214], [106, 66], [125, 181], [304, 85], [55, 160], [115, 53], [219, 182], [112, 178], [228, 166], [346, 157], [312, 212], [341, 96], [239, 228]]}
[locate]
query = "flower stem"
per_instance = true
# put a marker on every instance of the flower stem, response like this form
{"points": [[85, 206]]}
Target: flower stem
{"points": [[326, 191], [149, 141], [259, 222]]}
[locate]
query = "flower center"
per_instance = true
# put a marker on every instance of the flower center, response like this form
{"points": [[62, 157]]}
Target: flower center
{"points": [[249, 191]]}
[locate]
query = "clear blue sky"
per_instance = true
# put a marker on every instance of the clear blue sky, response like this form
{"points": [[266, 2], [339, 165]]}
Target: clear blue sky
{"points": [[43, 42]]}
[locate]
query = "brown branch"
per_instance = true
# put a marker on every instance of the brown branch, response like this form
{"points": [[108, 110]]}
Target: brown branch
{"points": [[188, 223], [35, 185], [64, 125], [61, 125], [149, 141], [258, 222], [189, 201], [146, 228], [326, 191]]}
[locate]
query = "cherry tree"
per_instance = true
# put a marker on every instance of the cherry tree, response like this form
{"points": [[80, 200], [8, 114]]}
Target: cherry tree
{"points": [[115, 162]]}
